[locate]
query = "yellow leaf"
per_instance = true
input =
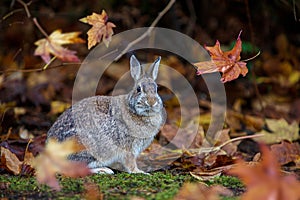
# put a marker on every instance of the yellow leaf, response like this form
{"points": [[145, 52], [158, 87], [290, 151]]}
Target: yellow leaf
{"points": [[281, 130], [54, 160], [58, 107], [52, 45]]}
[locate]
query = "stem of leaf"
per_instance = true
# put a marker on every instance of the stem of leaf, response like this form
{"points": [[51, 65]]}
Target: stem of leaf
{"points": [[46, 66]]}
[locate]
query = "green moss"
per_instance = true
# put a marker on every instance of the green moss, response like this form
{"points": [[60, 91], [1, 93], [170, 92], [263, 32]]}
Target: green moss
{"points": [[159, 185], [227, 181]]}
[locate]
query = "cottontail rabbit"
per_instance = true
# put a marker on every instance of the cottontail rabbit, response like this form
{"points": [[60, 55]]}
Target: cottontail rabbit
{"points": [[115, 129]]}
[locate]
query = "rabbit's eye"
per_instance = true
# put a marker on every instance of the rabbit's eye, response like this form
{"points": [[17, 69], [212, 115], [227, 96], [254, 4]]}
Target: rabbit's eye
{"points": [[138, 89]]}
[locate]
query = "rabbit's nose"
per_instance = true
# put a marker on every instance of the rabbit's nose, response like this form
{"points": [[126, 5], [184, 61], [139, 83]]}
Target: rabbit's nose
{"points": [[151, 102]]}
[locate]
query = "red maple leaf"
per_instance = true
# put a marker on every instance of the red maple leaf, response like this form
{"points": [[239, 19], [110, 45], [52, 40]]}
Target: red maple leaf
{"points": [[227, 62]]}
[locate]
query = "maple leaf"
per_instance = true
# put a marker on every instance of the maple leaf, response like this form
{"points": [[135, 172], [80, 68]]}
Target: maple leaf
{"points": [[52, 45], [264, 181], [54, 160], [281, 130], [287, 152], [101, 29], [226, 62]]}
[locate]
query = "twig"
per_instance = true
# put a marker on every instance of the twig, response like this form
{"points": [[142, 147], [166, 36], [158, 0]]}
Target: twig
{"points": [[34, 20], [295, 12], [45, 67], [149, 30], [25, 7], [217, 148], [10, 14], [17, 53], [239, 138]]}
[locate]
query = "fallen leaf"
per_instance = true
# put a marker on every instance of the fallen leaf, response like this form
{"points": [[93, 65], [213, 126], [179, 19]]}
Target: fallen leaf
{"points": [[52, 45], [264, 181], [205, 175], [281, 130], [238, 121], [101, 29], [200, 191], [92, 192], [221, 137], [287, 152], [10, 161], [227, 62], [54, 160]]}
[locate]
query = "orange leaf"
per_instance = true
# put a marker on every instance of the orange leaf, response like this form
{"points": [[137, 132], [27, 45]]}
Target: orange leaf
{"points": [[52, 45], [101, 29], [226, 62], [264, 181], [54, 160]]}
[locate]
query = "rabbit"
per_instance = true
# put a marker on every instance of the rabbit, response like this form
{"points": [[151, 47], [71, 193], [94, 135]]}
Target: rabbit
{"points": [[115, 129]]}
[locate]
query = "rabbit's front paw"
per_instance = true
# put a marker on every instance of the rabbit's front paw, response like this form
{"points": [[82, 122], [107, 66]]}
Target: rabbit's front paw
{"points": [[97, 168], [102, 170]]}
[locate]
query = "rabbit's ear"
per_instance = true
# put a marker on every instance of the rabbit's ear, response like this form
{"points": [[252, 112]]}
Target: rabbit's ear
{"points": [[153, 70], [135, 68]]}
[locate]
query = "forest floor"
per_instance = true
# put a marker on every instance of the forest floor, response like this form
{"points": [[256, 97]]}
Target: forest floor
{"points": [[257, 141]]}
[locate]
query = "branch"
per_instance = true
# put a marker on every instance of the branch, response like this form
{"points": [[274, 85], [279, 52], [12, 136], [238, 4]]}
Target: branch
{"points": [[25, 7], [33, 19], [215, 149], [149, 30], [44, 68]]}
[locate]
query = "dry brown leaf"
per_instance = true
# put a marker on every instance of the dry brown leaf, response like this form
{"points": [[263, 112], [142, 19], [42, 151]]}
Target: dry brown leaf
{"points": [[221, 137], [281, 130], [204, 175], [264, 181], [227, 62], [54, 160], [101, 29], [200, 191], [52, 45], [10, 161], [28, 158], [287, 152]]}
